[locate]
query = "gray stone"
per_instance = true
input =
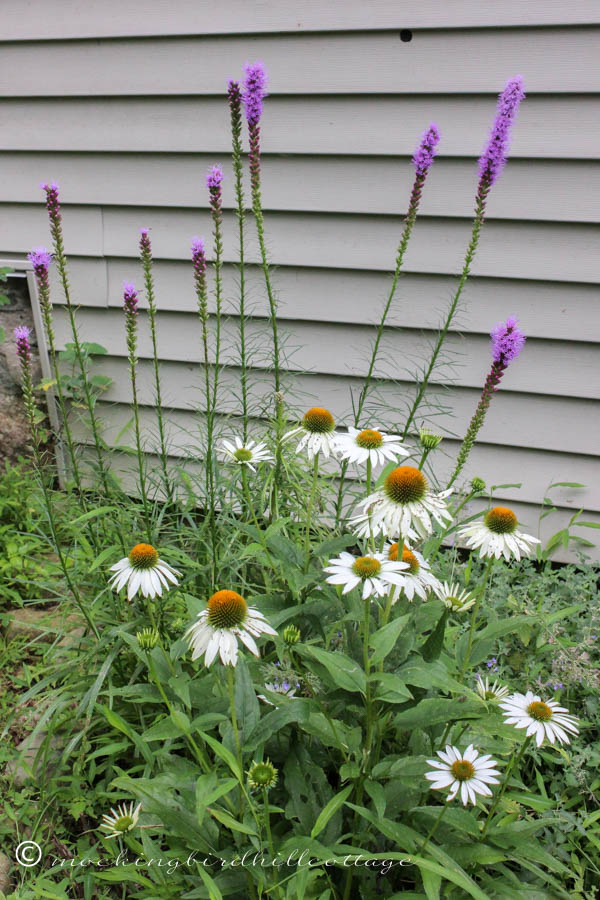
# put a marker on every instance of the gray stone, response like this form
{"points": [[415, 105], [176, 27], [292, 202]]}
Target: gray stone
{"points": [[5, 866], [18, 770], [45, 623]]}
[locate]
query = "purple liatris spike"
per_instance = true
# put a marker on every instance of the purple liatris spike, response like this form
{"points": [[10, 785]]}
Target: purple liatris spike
{"points": [[22, 333], [425, 152], [254, 91], [40, 259], [234, 94], [214, 177], [507, 342], [145, 246], [130, 298], [52, 199], [493, 158], [198, 255]]}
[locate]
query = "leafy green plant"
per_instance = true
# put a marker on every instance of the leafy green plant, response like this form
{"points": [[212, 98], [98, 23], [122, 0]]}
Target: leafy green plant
{"points": [[271, 690]]}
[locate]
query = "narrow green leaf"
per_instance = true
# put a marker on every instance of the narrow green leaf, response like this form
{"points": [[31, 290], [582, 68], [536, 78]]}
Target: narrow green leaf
{"points": [[228, 821], [93, 514], [330, 810], [223, 753]]}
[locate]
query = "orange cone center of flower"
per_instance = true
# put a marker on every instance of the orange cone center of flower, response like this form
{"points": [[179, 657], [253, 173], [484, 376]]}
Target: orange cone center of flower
{"points": [[462, 769], [318, 420], [366, 567], [243, 455], [500, 520], [411, 559], [393, 552], [143, 556], [539, 711], [226, 609], [369, 439], [405, 485]]}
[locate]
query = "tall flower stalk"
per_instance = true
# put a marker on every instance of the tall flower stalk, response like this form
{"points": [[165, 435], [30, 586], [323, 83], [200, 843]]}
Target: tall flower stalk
{"points": [[199, 263], [214, 180], [130, 307], [23, 348], [54, 213], [423, 161], [507, 343], [146, 260], [253, 96], [40, 260], [491, 163], [234, 96]]}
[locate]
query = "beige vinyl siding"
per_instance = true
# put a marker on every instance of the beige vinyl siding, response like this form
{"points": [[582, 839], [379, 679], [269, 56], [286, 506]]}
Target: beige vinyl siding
{"points": [[122, 104]]}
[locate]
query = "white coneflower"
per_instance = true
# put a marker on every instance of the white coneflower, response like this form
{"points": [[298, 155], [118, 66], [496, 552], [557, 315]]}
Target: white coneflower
{"points": [[318, 433], [496, 534], [417, 578], [541, 718], [245, 453], [122, 819], [455, 599], [489, 691], [143, 570], [369, 444], [226, 618], [466, 772], [375, 573], [404, 507]]}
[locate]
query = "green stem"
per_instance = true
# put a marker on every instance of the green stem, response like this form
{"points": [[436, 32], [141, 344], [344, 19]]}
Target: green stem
{"points": [[192, 743], [255, 182], [409, 222], [309, 510], [234, 722], [471, 249], [515, 761], [61, 264], [209, 499], [267, 818], [46, 308], [480, 597], [369, 729], [248, 496], [432, 830], [138, 444], [236, 136], [146, 256]]}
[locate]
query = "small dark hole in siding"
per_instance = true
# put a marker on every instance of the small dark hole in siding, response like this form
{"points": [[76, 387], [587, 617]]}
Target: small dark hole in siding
{"points": [[406, 35]]}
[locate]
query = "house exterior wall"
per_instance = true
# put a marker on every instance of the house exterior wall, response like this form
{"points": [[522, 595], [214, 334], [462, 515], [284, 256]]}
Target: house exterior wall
{"points": [[123, 104]]}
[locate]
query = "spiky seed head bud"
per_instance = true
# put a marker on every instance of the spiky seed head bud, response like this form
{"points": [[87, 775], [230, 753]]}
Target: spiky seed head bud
{"points": [[478, 485], [262, 775], [291, 634], [147, 638], [429, 440]]}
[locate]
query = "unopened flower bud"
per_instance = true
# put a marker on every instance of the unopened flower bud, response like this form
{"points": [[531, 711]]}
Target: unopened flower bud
{"points": [[478, 485], [147, 638], [291, 634], [429, 440], [263, 774]]}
